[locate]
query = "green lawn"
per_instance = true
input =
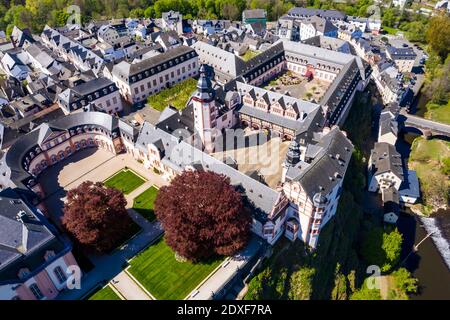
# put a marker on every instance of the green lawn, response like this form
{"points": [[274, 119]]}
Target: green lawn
{"points": [[390, 30], [440, 113], [249, 54], [164, 277], [143, 203], [105, 293], [124, 180], [429, 150], [177, 96], [427, 159]]}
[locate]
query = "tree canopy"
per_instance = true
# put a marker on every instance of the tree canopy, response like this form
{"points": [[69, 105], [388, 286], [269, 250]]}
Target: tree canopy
{"points": [[382, 248], [438, 35], [96, 216], [202, 215]]}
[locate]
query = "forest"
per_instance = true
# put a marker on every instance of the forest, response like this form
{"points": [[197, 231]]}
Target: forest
{"points": [[35, 14]]}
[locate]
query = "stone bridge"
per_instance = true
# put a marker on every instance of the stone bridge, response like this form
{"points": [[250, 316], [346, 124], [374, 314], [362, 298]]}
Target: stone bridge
{"points": [[427, 128]]}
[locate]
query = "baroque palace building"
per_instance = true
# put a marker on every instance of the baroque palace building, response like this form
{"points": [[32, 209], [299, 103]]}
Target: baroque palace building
{"points": [[344, 74], [299, 206]]}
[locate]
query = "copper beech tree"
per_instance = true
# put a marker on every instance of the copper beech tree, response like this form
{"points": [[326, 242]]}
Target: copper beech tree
{"points": [[96, 217], [202, 215]]}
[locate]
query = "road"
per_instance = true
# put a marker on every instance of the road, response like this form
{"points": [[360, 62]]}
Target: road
{"points": [[420, 122]]}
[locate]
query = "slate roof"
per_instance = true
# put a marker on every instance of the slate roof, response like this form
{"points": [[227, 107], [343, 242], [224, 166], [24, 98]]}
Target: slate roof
{"points": [[329, 165], [31, 140], [385, 158], [308, 12], [387, 125], [23, 242], [125, 69], [180, 154], [410, 185], [401, 53], [321, 24]]}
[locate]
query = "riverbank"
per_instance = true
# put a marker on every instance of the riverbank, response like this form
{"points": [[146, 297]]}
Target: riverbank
{"points": [[427, 263], [429, 158]]}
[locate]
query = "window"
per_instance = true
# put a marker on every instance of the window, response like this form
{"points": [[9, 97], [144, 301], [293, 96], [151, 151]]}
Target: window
{"points": [[114, 100], [108, 103], [36, 291], [142, 88], [59, 273]]}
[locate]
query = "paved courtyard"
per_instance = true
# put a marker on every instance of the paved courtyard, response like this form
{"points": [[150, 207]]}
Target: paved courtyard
{"points": [[265, 159], [299, 87], [89, 165], [98, 165]]}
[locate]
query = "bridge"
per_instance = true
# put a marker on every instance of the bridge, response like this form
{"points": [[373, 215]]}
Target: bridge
{"points": [[426, 127]]}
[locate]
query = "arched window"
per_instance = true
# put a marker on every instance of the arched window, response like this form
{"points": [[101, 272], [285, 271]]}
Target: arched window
{"points": [[36, 291], [59, 273]]}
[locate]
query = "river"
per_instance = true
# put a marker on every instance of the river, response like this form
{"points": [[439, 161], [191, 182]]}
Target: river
{"points": [[427, 264], [431, 263]]}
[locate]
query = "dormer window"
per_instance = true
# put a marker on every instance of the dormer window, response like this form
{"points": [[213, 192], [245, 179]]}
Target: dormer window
{"points": [[23, 273], [49, 254]]}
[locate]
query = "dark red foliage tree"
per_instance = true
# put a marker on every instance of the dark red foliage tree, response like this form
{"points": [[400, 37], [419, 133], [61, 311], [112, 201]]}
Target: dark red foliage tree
{"points": [[96, 216], [202, 215]]}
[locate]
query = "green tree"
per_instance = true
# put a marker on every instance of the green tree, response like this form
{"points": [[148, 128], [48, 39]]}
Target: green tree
{"points": [[392, 246], [438, 34], [137, 13], [390, 17], [149, 12], [340, 285], [404, 281], [301, 284], [416, 31], [382, 248], [366, 293]]}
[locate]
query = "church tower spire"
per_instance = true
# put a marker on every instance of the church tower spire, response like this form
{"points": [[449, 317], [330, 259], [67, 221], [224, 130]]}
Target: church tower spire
{"points": [[205, 110]]}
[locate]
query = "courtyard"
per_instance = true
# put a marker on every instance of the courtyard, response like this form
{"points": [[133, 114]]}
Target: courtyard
{"points": [[157, 269], [125, 180], [261, 159], [105, 293], [298, 86], [143, 203], [176, 96]]}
